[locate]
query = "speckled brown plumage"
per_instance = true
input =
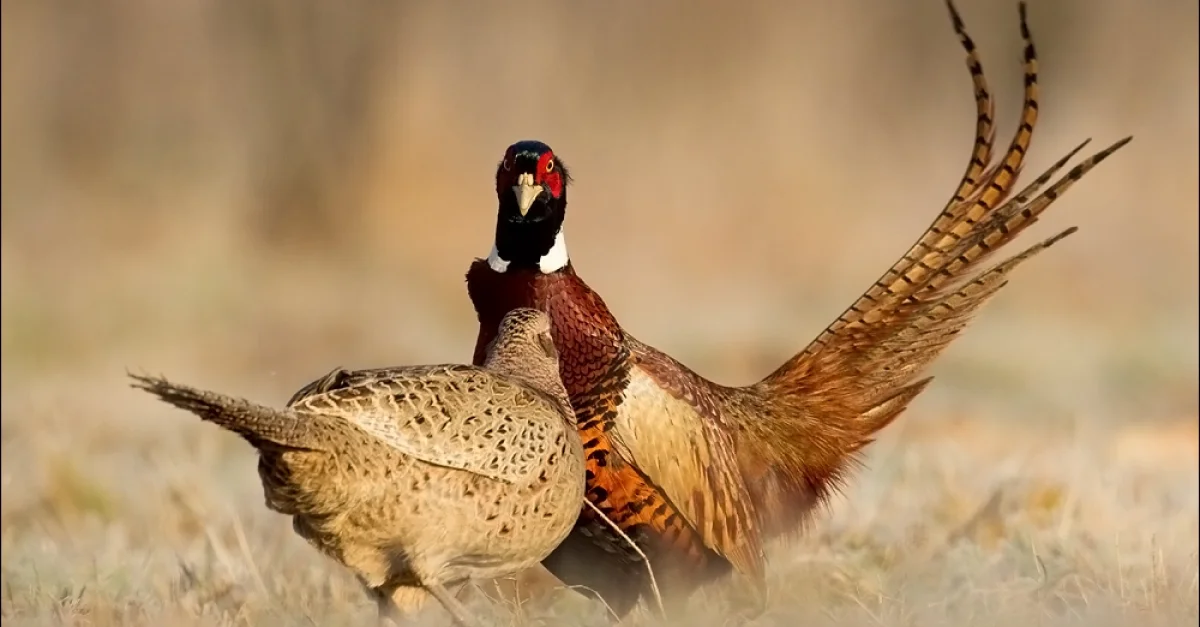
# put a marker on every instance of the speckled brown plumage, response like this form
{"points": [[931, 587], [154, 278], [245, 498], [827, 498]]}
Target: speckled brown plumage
{"points": [[702, 474], [419, 478]]}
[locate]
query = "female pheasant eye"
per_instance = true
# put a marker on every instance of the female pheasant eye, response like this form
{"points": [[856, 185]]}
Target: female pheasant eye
{"points": [[549, 166]]}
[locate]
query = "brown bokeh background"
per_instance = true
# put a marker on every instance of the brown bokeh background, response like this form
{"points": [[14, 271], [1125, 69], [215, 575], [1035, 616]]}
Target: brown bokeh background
{"points": [[244, 194]]}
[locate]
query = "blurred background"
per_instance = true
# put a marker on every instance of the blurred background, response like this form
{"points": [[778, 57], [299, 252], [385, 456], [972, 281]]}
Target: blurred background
{"points": [[243, 194]]}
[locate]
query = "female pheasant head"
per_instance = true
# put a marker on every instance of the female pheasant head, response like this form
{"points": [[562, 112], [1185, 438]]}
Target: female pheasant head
{"points": [[531, 187], [524, 350]]}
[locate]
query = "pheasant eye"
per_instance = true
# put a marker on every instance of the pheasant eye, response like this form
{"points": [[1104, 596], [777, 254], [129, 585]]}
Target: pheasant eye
{"points": [[506, 164], [550, 166]]}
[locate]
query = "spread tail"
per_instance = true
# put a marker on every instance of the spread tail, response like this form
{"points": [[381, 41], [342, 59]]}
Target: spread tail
{"points": [[827, 402], [261, 426]]}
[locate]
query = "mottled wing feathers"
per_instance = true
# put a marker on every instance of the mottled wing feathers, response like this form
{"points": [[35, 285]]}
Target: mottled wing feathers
{"points": [[341, 378], [451, 416], [671, 429]]}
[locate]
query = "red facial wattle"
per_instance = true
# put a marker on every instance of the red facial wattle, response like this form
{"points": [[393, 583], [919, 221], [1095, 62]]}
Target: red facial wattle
{"points": [[553, 184], [548, 175]]}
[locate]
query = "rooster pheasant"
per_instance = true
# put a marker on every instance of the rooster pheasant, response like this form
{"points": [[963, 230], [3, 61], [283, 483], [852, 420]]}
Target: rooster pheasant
{"points": [[700, 475], [422, 477]]}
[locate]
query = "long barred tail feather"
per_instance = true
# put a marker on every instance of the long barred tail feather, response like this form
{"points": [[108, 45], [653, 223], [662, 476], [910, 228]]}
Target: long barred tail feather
{"points": [[261, 426]]}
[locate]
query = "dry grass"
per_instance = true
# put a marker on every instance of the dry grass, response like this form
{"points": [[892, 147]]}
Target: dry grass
{"points": [[152, 521], [242, 197]]}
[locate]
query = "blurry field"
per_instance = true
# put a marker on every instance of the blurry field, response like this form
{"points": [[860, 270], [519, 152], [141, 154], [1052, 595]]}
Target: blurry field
{"points": [[244, 194]]}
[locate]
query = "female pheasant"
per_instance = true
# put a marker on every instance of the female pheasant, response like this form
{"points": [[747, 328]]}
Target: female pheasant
{"points": [[700, 474], [421, 477]]}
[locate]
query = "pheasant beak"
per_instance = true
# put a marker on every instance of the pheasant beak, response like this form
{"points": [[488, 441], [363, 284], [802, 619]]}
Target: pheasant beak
{"points": [[526, 192]]}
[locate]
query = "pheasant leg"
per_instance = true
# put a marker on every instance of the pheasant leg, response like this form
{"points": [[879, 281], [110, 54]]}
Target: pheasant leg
{"points": [[462, 617]]}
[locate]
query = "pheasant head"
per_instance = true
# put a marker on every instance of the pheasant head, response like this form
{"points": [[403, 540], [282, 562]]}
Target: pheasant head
{"points": [[531, 188]]}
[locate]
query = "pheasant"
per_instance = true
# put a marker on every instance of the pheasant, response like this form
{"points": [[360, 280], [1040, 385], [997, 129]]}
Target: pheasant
{"points": [[422, 477], [701, 475]]}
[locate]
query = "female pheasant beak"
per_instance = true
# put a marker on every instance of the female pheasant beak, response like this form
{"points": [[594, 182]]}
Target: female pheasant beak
{"points": [[526, 192]]}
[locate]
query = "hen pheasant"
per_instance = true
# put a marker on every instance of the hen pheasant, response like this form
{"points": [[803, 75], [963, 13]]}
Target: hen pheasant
{"points": [[701, 474], [422, 477]]}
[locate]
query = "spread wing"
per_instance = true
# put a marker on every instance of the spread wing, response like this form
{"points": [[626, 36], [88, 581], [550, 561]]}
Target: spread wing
{"points": [[669, 427], [458, 417]]}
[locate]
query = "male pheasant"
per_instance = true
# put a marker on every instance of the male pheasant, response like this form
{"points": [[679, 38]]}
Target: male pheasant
{"points": [[701, 474]]}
